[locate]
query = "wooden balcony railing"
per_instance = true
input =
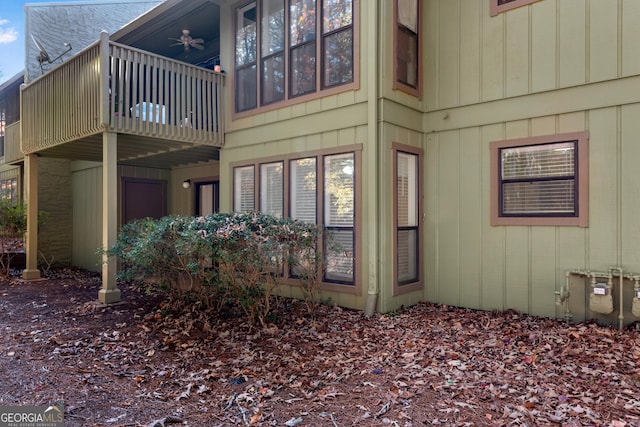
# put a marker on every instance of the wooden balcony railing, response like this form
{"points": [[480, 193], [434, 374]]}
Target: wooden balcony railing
{"points": [[12, 151], [112, 87]]}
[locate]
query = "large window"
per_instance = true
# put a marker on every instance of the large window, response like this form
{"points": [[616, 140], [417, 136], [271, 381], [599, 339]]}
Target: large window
{"points": [[540, 180], [321, 189], [286, 49], [407, 46], [407, 197], [499, 6]]}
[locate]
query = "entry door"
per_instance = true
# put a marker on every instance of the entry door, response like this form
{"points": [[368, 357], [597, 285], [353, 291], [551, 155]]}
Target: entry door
{"points": [[142, 198], [207, 197]]}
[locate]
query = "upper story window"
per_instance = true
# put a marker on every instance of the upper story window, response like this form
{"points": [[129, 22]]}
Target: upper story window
{"points": [[288, 49], [540, 180], [499, 6], [407, 70]]}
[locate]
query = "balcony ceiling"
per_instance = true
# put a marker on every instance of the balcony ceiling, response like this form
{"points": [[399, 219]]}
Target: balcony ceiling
{"points": [[154, 31], [137, 151]]}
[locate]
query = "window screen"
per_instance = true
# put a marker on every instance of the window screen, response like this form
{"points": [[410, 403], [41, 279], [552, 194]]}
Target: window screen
{"points": [[339, 210], [244, 182], [407, 217], [539, 180]]}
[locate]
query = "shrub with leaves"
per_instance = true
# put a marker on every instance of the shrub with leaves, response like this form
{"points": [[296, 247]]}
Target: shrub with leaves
{"points": [[232, 261], [13, 225]]}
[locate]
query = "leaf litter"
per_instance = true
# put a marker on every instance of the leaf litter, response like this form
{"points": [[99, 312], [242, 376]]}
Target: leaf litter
{"points": [[151, 361]]}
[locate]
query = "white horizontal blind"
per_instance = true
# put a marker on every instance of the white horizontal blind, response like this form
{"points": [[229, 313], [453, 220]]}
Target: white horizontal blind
{"points": [[244, 185], [271, 189], [539, 179], [407, 189], [303, 189]]}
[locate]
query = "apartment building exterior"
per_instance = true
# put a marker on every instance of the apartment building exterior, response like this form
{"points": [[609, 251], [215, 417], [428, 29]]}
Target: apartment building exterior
{"points": [[477, 153]]}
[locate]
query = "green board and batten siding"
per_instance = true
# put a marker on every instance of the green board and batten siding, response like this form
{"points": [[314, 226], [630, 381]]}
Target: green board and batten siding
{"points": [[551, 67]]}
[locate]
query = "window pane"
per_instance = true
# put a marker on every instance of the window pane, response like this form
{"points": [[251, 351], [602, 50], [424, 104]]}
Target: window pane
{"points": [[407, 247], [246, 89], [407, 61], [336, 14], [303, 189], [271, 188], [246, 31], [303, 69], [339, 212], [273, 79], [407, 189], [338, 55], [303, 21], [272, 27], [244, 185], [339, 256], [408, 14], [9, 189], [549, 160], [339, 190], [539, 197]]}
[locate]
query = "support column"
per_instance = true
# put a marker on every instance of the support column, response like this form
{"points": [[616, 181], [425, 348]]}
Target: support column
{"points": [[109, 292], [31, 271]]}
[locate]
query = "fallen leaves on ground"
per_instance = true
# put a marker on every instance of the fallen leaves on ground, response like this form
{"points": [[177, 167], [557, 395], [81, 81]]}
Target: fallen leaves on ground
{"points": [[150, 361]]}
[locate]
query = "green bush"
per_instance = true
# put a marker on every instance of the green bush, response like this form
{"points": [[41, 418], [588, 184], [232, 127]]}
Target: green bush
{"points": [[13, 225], [232, 261]]}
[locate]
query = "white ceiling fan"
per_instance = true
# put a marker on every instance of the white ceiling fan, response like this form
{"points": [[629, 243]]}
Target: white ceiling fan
{"points": [[188, 42]]}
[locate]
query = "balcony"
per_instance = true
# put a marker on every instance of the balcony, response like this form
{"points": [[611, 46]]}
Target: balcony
{"points": [[156, 105], [12, 151]]}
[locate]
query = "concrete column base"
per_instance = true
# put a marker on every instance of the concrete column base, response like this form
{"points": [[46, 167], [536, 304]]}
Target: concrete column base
{"points": [[31, 274], [109, 296]]}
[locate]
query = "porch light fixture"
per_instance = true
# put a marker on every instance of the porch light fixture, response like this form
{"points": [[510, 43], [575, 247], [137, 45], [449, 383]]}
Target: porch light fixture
{"points": [[186, 183]]}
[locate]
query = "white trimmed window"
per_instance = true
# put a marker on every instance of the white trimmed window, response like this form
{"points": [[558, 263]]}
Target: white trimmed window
{"points": [[540, 180]]}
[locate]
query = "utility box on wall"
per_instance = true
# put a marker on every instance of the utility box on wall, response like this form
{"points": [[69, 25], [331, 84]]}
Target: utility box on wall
{"points": [[597, 297]]}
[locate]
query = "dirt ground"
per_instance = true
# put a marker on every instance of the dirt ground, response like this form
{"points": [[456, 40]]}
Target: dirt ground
{"points": [[152, 362]]}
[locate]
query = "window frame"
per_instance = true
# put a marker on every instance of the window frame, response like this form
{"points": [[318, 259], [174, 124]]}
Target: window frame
{"points": [[356, 149], [397, 84], [398, 287], [580, 218], [9, 189], [320, 89], [496, 8]]}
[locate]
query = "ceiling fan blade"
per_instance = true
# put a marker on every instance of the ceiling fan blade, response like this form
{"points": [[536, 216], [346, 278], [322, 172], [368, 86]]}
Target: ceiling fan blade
{"points": [[197, 40], [198, 46]]}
